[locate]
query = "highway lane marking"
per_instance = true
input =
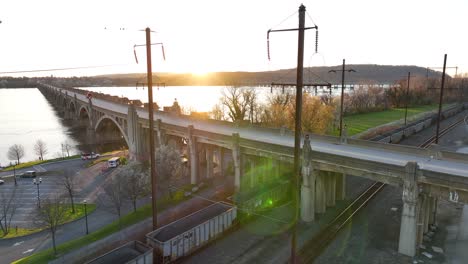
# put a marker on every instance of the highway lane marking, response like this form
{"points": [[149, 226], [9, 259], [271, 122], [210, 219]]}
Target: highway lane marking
{"points": [[29, 250], [18, 243]]}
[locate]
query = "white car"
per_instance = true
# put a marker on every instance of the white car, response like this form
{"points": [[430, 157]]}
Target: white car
{"points": [[87, 156], [2, 181]]}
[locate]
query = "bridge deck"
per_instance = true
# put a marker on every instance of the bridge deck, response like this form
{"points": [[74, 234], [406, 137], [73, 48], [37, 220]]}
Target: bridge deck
{"points": [[379, 153]]}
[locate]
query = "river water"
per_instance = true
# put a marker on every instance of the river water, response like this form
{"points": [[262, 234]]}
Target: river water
{"points": [[25, 117]]}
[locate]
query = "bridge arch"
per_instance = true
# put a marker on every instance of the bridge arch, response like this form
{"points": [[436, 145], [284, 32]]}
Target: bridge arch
{"points": [[119, 127]]}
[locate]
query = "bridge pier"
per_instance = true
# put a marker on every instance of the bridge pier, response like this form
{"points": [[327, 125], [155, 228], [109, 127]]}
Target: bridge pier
{"points": [[409, 215], [220, 161], [251, 174], [209, 162], [193, 155], [308, 194], [135, 134], [330, 188], [340, 191], [236, 157], [320, 193]]}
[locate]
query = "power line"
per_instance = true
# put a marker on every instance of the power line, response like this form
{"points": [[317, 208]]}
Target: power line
{"points": [[64, 69]]}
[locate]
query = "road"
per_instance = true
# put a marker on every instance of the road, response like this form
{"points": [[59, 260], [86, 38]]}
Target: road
{"points": [[88, 179]]}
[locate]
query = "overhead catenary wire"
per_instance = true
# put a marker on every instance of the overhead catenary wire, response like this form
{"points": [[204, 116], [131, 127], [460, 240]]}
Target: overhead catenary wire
{"points": [[64, 69]]}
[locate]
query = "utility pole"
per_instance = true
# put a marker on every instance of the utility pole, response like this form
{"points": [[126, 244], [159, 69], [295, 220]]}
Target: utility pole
{"points": [[298, 118], [298, 129], [440, 100], [407, 95], [153, 171], [151, 129], [343, 70]]}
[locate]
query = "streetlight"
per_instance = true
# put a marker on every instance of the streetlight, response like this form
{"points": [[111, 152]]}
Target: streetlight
{"points": [[37, 183], [14, 169], [342, 92], [86, 215], [407, 97]]}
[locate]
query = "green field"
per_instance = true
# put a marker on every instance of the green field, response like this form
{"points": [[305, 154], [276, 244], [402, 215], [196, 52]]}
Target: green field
{"points": [[361, 122]]}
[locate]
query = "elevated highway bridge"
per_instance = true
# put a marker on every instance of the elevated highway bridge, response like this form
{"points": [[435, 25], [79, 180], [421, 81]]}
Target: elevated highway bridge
{"points": [[424, 175]]}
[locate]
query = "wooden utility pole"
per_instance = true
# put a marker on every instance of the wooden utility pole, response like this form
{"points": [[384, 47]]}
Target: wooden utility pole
{"points": [[440, 100], [154, 175]]}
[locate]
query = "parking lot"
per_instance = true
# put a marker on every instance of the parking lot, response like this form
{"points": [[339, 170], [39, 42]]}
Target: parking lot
{"points": [[27, 192]]}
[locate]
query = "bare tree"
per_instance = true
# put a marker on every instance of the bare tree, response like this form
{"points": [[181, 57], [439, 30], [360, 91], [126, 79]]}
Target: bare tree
{"points": [[218, 112], [69, 183], [8, 206], [237, 101], [52, 214], [67, 147], [114, 191], [169, 164], [16, 152], [136, 182], [40, 148]]}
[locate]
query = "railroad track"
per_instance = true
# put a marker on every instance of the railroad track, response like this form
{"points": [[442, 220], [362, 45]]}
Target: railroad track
{"points": [[315, 246]]}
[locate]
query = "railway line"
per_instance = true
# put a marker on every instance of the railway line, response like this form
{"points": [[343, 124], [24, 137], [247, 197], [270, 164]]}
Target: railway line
{"points": [[315, 246]]}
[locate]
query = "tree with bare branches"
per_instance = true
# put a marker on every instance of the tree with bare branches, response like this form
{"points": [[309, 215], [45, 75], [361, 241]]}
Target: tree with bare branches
{"points": [[169, 164], [137, 183], [114, 192], [69, 183], [67, 147], [8, 206], [40, 149], [238, 102], [16, 152], [52, 214]]}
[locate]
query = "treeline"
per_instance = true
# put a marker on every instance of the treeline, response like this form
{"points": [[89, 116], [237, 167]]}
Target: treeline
{"points": [[319, 114]]}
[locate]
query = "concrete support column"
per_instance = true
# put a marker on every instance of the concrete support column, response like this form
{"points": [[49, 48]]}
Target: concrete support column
{"points": [[308, 194], [427, 212], [134, 133], [420, 221], [236, 157], [192, 148], [221, 161], [159, 132], [209, 162], [320, 193], [433, 212], [340, 181], [408, 229], [251, 174], [331, 188]]}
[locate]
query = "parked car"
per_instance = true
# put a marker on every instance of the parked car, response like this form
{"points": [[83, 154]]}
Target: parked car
{"points": [[28, 174], [87, 156], [2, 181]]}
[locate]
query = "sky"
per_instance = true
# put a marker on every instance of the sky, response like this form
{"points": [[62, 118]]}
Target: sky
{"points": [[200, 36]]}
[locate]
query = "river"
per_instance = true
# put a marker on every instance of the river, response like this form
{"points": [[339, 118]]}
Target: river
{"points": [[25, 117]]}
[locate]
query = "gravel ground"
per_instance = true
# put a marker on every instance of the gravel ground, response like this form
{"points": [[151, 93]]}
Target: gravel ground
{"points": [[372, 236]]}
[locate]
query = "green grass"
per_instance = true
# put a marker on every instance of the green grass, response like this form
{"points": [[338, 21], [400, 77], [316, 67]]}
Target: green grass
{"points": [[358, 123], [125, 221], [37, 162], [69, 217]]}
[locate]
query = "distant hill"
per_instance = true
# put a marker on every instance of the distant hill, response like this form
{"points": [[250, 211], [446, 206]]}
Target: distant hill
{"points": [[380, 74], [365, 73]]}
